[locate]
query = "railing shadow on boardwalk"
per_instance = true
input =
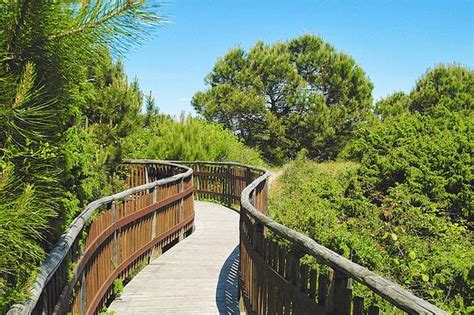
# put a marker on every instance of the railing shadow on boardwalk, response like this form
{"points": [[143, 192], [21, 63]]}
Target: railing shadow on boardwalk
{"points": [[227, 291]]}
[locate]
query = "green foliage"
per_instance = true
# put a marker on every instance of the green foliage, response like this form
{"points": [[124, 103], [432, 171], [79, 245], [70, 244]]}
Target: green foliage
{"points": [[117, 287], [389, 234], [188, 139], [450, 87], [392, 106], [405, 211], [430, 157], [106, 311], [63, 107], [23, 219], [289, 96], [427, 149], [443, 89]]}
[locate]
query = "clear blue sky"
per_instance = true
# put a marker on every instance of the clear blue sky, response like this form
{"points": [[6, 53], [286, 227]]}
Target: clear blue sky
{"points": [[394, 41]]}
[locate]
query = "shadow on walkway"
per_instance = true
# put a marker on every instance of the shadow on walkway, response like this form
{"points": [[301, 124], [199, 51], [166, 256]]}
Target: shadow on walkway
{"points": [[227, 292]]}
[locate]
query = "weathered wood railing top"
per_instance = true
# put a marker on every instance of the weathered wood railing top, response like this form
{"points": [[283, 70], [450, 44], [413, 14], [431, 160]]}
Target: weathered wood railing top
{"points": [[273, 279]]}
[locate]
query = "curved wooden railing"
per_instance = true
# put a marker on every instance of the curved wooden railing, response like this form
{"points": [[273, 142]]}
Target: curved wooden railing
{"points": [[131, 227], [273, 279], [112, 238]]}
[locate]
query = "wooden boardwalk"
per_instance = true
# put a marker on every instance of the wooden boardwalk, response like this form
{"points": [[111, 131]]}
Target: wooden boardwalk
{"points": [[196, 276]]}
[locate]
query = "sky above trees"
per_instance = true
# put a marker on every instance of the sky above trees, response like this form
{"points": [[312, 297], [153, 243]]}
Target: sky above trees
{"points": [[394, 41]]}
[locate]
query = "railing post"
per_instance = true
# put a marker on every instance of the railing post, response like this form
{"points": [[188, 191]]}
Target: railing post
{"points": [[248, 176], [146, 174], [197, 181], [154, 251], [229, 186], [340, 294], [153, 222], [265, 198], [181, 210], [45, 303], [114, 240], [239, 284], [83, 294], [329, 301], [257, 238]]}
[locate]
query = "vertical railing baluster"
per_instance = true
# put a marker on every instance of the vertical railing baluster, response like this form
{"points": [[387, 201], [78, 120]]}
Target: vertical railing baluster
{"points": [[181, 210], [114, 239], [358, 306], [229, 186], [83, 302]]}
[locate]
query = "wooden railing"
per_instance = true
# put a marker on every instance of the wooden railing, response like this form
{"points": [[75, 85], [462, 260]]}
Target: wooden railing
{"points": [[112, 238], [273, 278], [127, 229]]}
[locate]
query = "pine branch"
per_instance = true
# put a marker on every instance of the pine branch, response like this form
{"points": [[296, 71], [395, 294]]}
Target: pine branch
{"points": [[126, 18], [25, 85], [94, 24]]}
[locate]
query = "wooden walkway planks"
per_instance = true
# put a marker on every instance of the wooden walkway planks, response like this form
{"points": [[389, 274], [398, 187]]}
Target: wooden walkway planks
{"points": [[196, 276]]}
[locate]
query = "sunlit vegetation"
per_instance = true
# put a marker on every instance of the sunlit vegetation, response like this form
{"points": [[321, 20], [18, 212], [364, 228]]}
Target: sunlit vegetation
{"points": [[301, 94], [404, 207], [58, 87], [189, 139]]}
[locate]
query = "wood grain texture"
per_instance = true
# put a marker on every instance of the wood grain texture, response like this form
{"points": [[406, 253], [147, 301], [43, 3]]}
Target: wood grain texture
{"points": [[196, 276]]}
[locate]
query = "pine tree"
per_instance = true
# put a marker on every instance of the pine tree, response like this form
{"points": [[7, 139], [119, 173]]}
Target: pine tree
{"points": [[151, 110], [48, 154]]}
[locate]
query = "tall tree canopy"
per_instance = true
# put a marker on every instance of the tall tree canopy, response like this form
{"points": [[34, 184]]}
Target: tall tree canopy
{"points": [[288, 96], [447, 86]]}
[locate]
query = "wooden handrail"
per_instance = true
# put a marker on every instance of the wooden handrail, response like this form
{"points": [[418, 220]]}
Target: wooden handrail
{"points": [[141, 207]]}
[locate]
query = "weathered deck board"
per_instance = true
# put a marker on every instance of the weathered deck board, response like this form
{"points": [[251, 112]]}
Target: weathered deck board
{"points": [[196, 276]]}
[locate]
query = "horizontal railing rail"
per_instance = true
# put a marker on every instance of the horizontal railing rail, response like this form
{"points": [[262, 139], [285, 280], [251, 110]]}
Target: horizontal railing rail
{"points": [[112, 237], [273, 280]]}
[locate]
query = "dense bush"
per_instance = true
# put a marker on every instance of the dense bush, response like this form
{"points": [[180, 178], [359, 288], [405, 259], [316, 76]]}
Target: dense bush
{"points": [[188, 139], [430, 158], [396, 233]]}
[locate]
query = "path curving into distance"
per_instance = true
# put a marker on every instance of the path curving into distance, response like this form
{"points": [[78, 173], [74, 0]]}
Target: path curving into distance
{"points": [[199, 275]]}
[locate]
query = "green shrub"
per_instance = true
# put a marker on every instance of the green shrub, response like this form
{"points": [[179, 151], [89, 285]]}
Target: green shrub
{"points": [[188, 139], [396, 232], [430, 157]]}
